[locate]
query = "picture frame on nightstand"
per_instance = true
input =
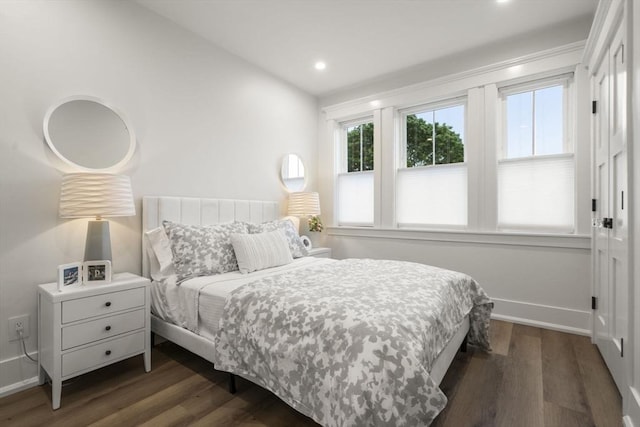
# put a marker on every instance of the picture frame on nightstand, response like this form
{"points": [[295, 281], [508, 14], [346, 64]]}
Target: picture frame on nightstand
{"points": [[306, 241], [69, 274], [96, 272]]}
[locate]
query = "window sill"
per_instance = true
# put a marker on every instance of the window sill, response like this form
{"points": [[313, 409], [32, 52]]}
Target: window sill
{"points": [[568, 241]]}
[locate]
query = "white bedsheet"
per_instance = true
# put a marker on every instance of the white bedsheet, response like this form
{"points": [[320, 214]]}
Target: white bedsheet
{"points": [[196, 304]]}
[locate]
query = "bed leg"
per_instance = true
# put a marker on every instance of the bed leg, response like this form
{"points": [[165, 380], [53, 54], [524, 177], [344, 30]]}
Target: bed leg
{"points": [[463, 346], [232, 383]]}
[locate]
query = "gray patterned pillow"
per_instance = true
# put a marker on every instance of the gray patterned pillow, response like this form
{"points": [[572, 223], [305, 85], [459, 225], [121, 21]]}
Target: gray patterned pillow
{"points": [[293, 239], [202, 250]]}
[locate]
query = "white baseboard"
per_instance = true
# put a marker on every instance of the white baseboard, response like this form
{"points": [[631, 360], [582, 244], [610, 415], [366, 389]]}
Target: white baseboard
{"points": [[18, 373], [543, 316], [632, 416], [19, 386]]}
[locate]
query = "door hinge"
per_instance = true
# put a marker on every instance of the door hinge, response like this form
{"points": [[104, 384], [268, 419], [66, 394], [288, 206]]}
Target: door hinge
{"points": [[594, 107], [607, 223], [621, 347], [594, 303], [593, 205]]}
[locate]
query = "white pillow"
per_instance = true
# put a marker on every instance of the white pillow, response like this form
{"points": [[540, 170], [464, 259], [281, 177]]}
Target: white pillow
{"points": [[160, 255], [259, 251], [296, 246]]}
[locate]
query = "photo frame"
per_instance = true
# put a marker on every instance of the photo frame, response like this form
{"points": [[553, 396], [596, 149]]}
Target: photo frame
{"points": [[96, 272], [306, 241], [69, 274]]}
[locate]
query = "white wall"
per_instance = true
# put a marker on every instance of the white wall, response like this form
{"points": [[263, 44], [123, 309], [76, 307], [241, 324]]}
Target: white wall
{"points": [[208, 124]]}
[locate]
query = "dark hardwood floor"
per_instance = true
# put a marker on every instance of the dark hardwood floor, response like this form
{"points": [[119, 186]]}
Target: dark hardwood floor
{"points": [[533, 377]]}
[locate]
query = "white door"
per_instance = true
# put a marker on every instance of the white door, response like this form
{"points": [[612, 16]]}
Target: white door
{"points": [[602, 314], [610, 254]]}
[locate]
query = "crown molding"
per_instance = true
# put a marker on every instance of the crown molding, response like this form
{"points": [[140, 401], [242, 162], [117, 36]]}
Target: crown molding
{"points": [[596, 28], [608, 16], [545, 54]]}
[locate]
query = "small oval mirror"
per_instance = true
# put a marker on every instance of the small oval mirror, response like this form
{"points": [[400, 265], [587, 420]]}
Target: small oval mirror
{"points": [[88, 134], [292, 173]]}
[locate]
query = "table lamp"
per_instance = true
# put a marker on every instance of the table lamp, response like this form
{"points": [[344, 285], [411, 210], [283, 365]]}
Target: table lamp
{"points": [[304, 204], [98, 195]]}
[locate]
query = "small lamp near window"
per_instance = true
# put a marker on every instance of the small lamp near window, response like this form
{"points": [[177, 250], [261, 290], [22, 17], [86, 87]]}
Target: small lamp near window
{"points": [[96, 195], [306, 204]]}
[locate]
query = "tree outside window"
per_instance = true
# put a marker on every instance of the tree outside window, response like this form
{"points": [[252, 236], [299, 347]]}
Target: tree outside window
{"points": [[445, 127], [360, 148]]}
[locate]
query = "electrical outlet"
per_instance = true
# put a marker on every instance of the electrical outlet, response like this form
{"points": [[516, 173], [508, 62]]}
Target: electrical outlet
{"points": [[18, 323]]}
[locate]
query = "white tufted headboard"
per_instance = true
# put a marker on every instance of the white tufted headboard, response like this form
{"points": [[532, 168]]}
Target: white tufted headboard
{"points": [[187, 210]]}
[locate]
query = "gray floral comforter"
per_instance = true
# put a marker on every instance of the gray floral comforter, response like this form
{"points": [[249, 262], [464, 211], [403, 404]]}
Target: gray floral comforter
{"points": [[351, 342]]}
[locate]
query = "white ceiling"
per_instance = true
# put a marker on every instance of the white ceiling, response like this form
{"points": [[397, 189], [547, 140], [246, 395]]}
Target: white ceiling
{"points": [[360, 39]]}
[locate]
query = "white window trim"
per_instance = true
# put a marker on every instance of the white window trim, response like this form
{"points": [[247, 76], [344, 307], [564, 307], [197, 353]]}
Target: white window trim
{"points": [[567, 80], [530, 239], [480, 86], [541, 156]]}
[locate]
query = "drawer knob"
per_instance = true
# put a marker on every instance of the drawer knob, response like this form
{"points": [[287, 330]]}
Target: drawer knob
{"points": [[108, 328], [108, 304], [108, 352]]}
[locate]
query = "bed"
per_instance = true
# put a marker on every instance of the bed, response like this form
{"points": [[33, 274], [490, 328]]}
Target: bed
{"points": [[321, 359]]}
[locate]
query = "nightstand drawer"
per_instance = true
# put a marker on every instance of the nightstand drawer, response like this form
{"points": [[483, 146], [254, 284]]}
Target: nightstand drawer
{"points": [[95, 330], [102, 353], [84, 308]]}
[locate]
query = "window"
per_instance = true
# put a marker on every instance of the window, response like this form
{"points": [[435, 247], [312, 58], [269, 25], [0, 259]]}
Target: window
{"points": [[535, 122], [355, 182], [432, 182], [536, 178], [360, 147], [435, 137]]}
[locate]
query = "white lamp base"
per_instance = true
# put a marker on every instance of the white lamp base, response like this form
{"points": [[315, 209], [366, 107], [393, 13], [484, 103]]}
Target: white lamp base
{"points": [[98, 245]]}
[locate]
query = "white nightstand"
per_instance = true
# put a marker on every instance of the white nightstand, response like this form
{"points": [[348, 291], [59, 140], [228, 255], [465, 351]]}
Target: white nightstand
{"points": [[86, 327], [320, 252]]}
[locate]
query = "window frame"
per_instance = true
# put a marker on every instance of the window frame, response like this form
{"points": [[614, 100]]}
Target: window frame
{"points": [[421, 108], [483, 138], [342, 165], [453, 100], [343, 145], [567, 82]]}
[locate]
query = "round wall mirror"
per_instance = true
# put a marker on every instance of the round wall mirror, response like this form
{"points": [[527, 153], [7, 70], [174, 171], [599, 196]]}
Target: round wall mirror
{"points": [[88, 134], [292, 173]]}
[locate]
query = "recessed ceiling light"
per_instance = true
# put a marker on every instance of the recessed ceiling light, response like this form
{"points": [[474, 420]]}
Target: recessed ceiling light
{"points": [[320, 65], [502, 1]]}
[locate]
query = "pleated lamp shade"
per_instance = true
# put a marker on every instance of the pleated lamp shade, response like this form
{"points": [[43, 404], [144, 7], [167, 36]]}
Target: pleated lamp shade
{"points": [[304, 204], [96, 195]]}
